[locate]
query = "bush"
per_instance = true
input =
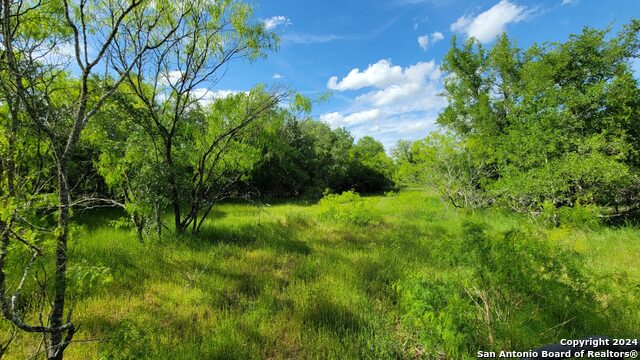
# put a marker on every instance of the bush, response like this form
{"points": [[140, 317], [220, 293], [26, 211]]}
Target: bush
{"points": [[579, 216], [444, 312], [520, 292], [349, 208]]}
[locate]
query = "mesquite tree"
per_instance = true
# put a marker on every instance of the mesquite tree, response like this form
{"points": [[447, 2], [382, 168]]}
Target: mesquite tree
{"points": [[171, 82], [61, 109]]}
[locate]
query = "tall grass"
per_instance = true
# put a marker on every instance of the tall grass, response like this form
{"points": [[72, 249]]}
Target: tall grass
{"points": [[400, 277]]}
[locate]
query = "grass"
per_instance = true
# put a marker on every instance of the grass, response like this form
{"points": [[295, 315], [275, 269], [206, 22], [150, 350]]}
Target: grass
{"points": [[288, 281]]}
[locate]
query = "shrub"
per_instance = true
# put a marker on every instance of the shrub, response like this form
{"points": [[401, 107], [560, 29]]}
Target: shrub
{"points": [[520, 292], [444, 313], [580, 216], [349, 208]]}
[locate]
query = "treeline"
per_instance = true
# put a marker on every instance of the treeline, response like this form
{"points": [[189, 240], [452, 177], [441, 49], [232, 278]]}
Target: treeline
{"points": [[309, 159], [217, 152], [547, 130]]}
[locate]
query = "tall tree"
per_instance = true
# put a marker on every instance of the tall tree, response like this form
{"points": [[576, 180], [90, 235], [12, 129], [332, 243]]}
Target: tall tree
{"points": [[557, 123], [171, 80], [94, 28]]}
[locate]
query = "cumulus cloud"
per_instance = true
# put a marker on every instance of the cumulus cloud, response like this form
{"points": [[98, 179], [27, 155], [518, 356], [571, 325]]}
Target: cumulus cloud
{"points": [[423, 41], [461, 24], [568, 2], [275, 21], [336, 119], [412, 126], [487, 25], [399, 102], [426, 40], [436, 36], [405, 98], [382, 75], [277, 76]]}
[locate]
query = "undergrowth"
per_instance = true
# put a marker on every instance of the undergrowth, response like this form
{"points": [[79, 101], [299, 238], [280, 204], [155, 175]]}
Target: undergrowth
{"points": [[398, 276]]}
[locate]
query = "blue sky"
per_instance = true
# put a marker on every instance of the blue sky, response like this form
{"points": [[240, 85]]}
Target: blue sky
{"points": [[380, 58]]}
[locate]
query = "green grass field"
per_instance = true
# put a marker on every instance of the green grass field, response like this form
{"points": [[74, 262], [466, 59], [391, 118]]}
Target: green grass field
{"points": [[294, 281]]}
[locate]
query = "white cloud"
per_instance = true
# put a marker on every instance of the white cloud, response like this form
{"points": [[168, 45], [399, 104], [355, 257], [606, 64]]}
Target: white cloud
{"points": [[461, 24], [569, 2], [275, 21], [405, 126], [277, 76], [401, 101], [61, 53], [65, 49], [336, 119], [405, 98], [426, 40], [423, 41], [437, 36], [416, 126], [170, 78], [392, 94], [382, 75], [487, 25]]}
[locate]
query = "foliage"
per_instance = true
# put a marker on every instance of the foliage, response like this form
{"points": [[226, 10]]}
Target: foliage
{"points": [[551, 130], [306, 157], [46, 110], [553, 124], [442, 163], [214, 148], [517, 288], [349, 208], [85, 279]]}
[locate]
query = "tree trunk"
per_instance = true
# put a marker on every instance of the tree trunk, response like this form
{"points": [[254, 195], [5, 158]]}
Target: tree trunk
{"points": [[175, 197], [11, 156], [138, 221], [56, 319], [158, 221]]}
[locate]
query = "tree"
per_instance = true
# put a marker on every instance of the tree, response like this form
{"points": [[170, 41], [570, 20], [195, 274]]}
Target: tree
{"points": [[442, 163], [61, 113], [307, 157], [371, 169], [554, 124], [170, 81], [286, 170]]}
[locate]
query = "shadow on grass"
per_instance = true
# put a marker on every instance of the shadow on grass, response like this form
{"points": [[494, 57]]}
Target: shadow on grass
{"points": [[97, 218], [336, 318], [245, 285], [276, 236]]}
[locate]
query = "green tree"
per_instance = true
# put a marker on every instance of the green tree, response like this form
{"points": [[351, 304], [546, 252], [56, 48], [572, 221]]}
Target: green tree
{"points": [[170, 82], [371, 168], [557, 123], [59, 107]]}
